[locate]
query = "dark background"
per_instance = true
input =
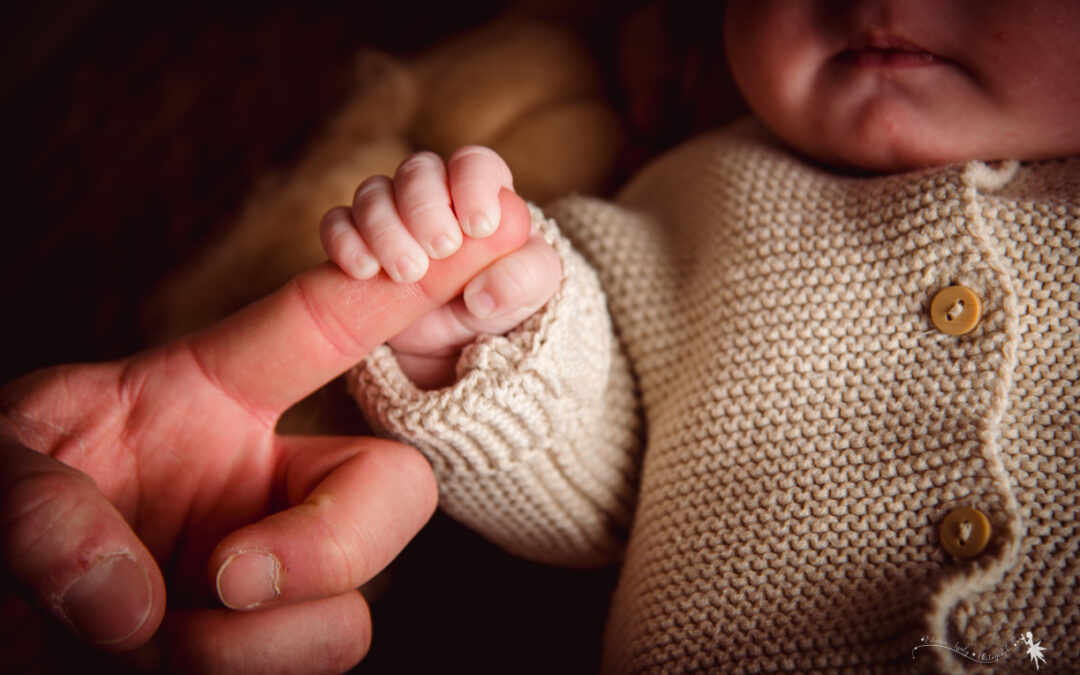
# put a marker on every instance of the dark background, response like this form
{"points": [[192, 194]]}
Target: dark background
{"points": [[132, 131]]}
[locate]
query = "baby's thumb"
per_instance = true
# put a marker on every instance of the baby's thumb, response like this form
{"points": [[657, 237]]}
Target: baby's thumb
{"points": [[67, 550], [513, 287]]}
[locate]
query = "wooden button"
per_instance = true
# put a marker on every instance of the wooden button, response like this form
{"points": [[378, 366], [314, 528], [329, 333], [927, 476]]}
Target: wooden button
{"points": [[965, 532], [956, 310]]}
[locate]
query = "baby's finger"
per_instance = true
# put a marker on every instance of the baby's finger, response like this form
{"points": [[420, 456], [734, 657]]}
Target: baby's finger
{"points": [[377, 220], [498, 299], [506, 293], [423, 202], [343, 244], [476, 175], [513, 287]]}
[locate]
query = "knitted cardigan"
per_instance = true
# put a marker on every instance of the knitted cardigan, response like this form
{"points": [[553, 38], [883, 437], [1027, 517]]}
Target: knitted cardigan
{"points": [[738, 393]]}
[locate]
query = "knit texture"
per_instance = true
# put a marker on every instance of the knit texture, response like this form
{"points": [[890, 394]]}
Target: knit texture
{"points": [[769, 388]]}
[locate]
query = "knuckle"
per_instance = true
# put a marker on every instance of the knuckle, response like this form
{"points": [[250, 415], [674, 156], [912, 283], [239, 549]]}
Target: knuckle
{"points": [[473, 151], [414, 475], [483, 160], [345, 541], [334, 216], [419, 162], [371, 189], [530, 276], [335, 241], [551, 265], [378, 227], [529, 268], [423, 214], [38, 506], [382, 238], [334, 227], [330, 321], [514, 280], [370, 219], [423, 201]]}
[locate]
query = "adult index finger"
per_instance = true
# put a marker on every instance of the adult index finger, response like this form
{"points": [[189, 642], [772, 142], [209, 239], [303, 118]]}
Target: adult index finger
{"points": [[283, 347]]}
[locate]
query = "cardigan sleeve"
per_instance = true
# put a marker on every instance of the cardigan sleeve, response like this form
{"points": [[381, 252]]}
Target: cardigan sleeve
{"points": [[537, 444]]}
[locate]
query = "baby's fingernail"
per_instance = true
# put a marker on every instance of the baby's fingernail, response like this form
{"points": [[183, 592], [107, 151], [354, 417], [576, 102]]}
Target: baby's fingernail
{"points": [[249, 579], [365, 267], [480, 304], [111, 601], [443, 246], [408, 269], [481, 225]]}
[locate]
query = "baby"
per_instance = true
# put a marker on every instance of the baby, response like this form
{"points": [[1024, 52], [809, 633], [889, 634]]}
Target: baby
{"points": [[811, 378]]}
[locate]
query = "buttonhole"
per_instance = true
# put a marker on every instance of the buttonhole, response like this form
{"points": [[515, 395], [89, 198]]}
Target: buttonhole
{"points": [[955, 311], [965, 532]]}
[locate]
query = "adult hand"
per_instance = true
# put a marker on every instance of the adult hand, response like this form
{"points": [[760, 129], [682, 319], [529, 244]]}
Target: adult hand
{"points": [[163, 471]]}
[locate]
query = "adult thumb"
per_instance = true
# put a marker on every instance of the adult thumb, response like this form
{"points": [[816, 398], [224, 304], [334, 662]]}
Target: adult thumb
{"points": [[67, 550]]}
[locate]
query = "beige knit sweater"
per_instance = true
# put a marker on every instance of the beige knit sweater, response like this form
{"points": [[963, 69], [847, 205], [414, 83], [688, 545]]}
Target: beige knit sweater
{"points": [[748, 405]]}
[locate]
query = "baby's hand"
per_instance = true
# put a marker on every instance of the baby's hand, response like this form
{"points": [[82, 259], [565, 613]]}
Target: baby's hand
{"points": [[397, 224]]}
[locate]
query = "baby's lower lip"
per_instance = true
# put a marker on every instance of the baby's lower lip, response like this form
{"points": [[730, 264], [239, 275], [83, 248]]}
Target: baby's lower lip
{"points": [[874, 57]]}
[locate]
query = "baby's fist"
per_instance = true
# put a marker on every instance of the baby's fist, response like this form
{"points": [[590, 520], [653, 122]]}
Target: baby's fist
{"points": [[423, 213], [397, 224]]}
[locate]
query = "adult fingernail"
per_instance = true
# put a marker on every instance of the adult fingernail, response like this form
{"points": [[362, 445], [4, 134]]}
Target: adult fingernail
{"points": [[249, 579], [111, 601], [480, 304]]}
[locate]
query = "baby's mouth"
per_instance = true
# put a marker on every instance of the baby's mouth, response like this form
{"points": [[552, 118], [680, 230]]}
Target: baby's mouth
{"points": [[875, 51]]}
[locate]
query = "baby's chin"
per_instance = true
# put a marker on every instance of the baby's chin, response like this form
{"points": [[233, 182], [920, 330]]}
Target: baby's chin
{"points": [[887, 150], [888, 132], [892, 158], [927, 151], [927, 143]]}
